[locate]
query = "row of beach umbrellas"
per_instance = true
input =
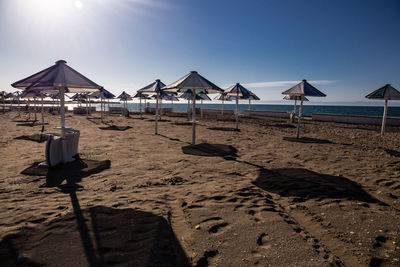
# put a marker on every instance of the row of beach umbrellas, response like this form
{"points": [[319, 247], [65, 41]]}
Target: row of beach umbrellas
{"points": [[60, 79]]}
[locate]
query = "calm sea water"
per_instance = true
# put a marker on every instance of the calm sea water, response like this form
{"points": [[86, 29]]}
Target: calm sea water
{"points": [[308, 110]]}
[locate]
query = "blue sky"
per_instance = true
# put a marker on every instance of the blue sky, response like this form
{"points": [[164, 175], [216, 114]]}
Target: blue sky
{"points": [[347, 48]]}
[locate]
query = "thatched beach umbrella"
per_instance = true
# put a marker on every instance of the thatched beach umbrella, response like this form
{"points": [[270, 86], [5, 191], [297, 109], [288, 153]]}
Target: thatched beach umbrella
{"points": [[387, 93], [196, 84], [154, 89], [300, 90], [237, 92], [58, 78]]}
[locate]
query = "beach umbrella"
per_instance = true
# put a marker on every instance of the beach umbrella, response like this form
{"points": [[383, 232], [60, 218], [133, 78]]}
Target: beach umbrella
{"points": [[58, 78], [154, 89], [125, 97], [35, 94], [189, 95], [17, 95], [295, 98], [223, 97], [102, 94], [141, 96], [387, 93], [237, 92], [197, 84], [300, 90]]}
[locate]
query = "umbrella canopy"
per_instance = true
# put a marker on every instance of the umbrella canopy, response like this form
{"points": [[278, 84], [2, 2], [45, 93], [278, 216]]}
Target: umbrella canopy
{"points": [[169, 97], [293, 97], [59, 78], [56, 76], [195, 83], [141, 95], [189, 96], [238, 90], [304, 89], [222, 97], [124, 96], [153, 88], [386, 93], [103, 93], [300, 90]]}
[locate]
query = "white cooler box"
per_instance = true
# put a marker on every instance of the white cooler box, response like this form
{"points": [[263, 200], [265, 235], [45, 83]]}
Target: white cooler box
{"points": [[54, 147]]}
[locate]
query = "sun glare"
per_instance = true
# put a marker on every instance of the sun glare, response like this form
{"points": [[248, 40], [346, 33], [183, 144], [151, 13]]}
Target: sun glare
{"points": [[78, 4]]}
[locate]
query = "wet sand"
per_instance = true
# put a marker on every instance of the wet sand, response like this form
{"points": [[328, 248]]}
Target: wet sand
{"points": [[256, 197]]}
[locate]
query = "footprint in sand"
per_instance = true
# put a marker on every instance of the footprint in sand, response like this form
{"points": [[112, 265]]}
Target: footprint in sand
{"points": [[264, 241]]}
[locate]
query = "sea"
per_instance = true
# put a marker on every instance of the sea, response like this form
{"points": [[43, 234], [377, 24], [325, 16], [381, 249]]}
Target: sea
{"points": [[308, 110]]}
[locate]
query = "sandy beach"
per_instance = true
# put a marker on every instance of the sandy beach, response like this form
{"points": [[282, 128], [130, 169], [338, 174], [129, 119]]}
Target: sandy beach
{"points": [[257, 197]]}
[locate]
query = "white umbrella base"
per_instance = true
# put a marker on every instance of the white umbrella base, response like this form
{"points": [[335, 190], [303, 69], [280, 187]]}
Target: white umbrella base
{"points": [[54, 148]]}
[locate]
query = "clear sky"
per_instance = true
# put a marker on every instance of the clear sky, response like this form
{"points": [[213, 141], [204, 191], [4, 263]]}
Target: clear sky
{"points": [[347, 48]]}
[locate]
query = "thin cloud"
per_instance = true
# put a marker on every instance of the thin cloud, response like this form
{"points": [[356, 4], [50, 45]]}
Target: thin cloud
{"points": [[285, 83]]}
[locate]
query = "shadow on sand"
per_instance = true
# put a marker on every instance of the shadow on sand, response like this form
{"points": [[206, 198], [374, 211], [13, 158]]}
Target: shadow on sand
{"points": [[226, 129], [307, 140], [211, 150], [97, 236], [71, 172], [306, 184], [116, 128], [39, 138]]}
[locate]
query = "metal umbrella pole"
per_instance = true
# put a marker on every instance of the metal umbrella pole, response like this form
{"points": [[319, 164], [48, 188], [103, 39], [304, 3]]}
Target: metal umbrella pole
{"points": [[42, 115], [194, 118], [384, 117], [299, 118], [156, 126], [237, 110]]}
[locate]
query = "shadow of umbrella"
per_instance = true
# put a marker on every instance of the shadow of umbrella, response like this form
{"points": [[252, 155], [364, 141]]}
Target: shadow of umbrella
{"points": [[306, 184], [125, 237], [211, 150], [72, 172], [308, 140]]}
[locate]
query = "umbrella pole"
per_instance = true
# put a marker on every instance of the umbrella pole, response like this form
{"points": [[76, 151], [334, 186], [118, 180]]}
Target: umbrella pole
{"points": [[19, 107], [62, 112], [140, 107], [29, 110], [4, 104], [188, 114], [42, 117], [156, 126], [101, 108], [194, 119], [249, 104], [295, 104], [201, 115], [237, 110], [222, 111], [34, 105], [299, 118], [384, 117], [87, 108]]}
